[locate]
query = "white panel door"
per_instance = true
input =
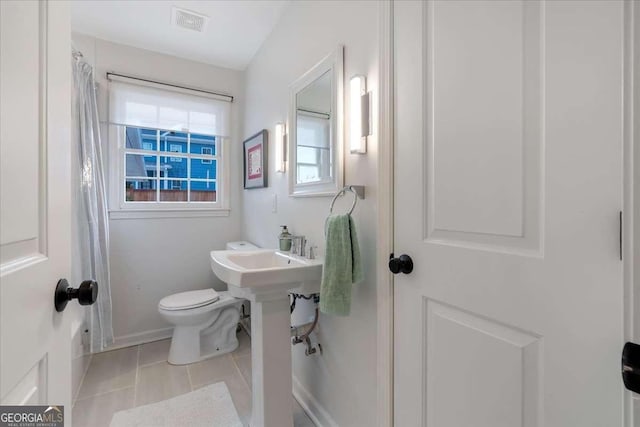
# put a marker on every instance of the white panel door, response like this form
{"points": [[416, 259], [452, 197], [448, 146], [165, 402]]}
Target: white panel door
{"points": [[508, 185], [35, 105]]}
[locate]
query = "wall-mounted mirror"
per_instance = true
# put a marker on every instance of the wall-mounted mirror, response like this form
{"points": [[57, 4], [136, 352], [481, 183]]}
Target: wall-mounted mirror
{"points": [[316, 129]]}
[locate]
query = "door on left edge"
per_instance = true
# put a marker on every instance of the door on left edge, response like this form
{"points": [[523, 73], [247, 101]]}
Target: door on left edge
{"points": [[35, 121]]}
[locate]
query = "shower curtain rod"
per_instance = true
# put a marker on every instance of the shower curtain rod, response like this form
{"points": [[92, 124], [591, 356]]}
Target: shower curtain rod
{"points": [[124, 78]]}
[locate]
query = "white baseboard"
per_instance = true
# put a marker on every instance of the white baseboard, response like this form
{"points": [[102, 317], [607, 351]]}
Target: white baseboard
{"points": [[311, 406], [140, 338]]}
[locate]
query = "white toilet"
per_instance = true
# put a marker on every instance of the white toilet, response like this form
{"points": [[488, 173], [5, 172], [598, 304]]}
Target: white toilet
{"points": [[205, 321]]}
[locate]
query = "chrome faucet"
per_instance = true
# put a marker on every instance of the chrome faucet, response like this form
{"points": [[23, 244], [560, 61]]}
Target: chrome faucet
{"points": [[298, 245], [302, 249]]}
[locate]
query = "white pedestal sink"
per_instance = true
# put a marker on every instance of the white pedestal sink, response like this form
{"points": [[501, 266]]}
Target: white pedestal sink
{"points": [[265, 277]]}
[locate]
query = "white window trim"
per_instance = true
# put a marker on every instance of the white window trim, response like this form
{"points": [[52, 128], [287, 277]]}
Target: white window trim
{"points": [[175, 158], [120, 209], [206, 161]]}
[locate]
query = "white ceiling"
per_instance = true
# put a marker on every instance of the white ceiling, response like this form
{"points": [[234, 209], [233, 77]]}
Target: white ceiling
{"points": [[234, 32]]}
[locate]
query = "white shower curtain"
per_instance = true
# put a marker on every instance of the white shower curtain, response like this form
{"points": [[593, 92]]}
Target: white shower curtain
{"points": [[91, 216]]}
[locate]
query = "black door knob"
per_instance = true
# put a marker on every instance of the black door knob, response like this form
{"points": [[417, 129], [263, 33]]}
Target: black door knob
{"points": [[402, 264], [86, 293], [631, 366]]}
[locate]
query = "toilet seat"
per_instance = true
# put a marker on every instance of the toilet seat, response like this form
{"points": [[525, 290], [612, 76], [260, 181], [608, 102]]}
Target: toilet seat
{"points": [[189, 300]]}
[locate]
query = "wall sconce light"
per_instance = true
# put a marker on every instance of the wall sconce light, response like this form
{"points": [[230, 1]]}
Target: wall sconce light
{"points": [[281, 148], [359, 114]]}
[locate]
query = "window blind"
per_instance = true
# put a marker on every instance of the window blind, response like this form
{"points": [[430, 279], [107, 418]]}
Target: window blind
{"points": [[151, 107], [313, 131]]}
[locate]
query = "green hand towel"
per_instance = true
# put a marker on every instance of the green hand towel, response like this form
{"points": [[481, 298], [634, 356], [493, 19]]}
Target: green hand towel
{"points": [[342, 265]]}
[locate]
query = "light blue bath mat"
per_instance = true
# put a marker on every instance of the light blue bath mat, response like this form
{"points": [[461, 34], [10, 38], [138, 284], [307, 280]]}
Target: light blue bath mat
{"points": [[209, 406]]}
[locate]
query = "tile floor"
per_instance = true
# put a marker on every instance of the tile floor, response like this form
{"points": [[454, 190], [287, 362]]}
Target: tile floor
{"points": [[134, 376]]}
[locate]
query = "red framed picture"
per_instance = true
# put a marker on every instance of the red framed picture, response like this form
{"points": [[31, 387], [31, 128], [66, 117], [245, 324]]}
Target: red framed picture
{"points": [[256, 160]]}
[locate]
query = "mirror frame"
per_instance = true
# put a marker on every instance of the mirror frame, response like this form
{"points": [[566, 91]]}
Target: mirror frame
{"points": [[334, 63]]}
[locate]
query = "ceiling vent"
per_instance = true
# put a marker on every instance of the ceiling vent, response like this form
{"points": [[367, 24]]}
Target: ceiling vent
{"points": [[187, 19]]}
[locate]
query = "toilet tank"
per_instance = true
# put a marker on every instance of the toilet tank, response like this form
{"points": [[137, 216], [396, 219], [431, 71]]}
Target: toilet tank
{"points": [[241, 246]]}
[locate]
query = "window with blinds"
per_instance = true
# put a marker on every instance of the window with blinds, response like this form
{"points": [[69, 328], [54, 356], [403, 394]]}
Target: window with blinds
{"points": [[168, 147]]}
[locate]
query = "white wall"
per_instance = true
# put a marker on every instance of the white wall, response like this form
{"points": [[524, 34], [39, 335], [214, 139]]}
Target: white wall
{"points": [[152, 258], [343, 379]]}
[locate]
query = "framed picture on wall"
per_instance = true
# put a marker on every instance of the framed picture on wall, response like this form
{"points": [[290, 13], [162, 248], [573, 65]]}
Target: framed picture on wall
{"points": [[256, 160]]}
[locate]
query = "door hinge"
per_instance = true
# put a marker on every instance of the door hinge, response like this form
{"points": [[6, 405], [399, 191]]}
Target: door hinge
{"points": [[620, 235]]}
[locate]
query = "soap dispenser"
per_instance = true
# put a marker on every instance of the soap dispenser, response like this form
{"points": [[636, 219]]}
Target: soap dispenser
{"points": [[285, 239]]}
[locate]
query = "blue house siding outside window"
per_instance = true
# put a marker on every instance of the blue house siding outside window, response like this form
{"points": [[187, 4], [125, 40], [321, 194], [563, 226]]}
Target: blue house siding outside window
{"points": [[170, 166]]}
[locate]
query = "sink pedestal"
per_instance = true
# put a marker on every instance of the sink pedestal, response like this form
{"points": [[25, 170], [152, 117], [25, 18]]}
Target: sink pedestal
{"points": [[271, 387], [265, 277]]}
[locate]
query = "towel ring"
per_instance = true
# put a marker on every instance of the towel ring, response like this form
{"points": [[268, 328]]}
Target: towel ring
{"points": [[340, 193]]}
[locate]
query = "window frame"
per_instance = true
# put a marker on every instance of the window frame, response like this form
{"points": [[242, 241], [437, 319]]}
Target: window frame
{"points": [[206, 161], [119, 208], [175, 159]]}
